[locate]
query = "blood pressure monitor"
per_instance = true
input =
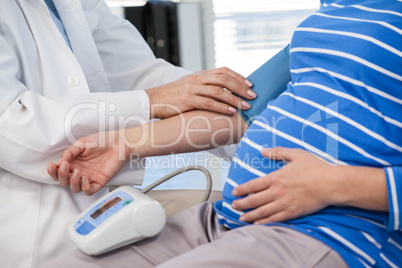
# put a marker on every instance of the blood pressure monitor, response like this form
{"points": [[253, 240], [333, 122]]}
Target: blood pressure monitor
{"points": [[121, 217]]}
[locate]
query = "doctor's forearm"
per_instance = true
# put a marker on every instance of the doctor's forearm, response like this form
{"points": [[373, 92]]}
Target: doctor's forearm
{"points": [[192, 131]]}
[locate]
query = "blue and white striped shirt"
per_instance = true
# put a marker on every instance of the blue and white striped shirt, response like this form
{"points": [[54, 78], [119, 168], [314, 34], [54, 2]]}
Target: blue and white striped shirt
{"points": [[344, 103]]}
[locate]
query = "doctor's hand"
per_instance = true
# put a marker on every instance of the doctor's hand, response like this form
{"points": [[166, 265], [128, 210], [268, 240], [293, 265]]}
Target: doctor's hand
{"points": [[301, 187], [207, 90], [90, 163]]}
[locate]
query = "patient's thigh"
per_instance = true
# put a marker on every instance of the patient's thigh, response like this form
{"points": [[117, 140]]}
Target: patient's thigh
{"points": [[195, 239], [259, 246]]}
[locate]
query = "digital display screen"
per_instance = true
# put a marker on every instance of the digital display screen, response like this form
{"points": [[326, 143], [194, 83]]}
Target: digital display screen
{"points": [[110, 203]]}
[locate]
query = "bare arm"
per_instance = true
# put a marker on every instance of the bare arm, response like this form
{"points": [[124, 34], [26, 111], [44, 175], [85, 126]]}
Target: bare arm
{"points": [[188, 132], [367, 189], [94, 160]]}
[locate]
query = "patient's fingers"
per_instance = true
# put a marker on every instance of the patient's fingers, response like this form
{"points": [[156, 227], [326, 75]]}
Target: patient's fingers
{"points": [[89, 187], [52, 171], [86, 187], [64, 174], [75, 181], [71, 153]]}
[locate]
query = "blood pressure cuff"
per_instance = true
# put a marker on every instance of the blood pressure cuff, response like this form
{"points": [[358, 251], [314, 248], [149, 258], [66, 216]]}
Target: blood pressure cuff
{"points": [[269, 81]]}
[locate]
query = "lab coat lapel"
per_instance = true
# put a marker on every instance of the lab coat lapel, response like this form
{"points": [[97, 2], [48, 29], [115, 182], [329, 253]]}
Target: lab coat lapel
{"points": [[51, 49], [33, 23], [79, 33]]}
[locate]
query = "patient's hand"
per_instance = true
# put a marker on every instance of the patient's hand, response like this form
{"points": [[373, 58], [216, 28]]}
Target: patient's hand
{"points": [[301, 187], [90, 163]]}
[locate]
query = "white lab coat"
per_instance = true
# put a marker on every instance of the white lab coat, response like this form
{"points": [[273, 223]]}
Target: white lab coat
{"points": [[48, 93]]}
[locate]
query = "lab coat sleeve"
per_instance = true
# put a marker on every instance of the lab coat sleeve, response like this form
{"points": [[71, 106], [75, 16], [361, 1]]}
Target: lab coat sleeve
{"points": [[124, 53], [35, 129], [394, 187]]}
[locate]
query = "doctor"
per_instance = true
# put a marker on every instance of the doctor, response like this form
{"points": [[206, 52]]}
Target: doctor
{"points": [[68, 69]]}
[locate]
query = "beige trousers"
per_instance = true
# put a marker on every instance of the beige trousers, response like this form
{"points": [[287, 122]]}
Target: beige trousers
{"points": [[195, 239]]}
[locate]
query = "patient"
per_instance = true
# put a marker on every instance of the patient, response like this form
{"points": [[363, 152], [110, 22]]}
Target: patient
{"points": [[329, 196]]}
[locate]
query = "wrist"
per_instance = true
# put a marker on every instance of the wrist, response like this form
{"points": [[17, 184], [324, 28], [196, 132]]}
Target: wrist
{"points": [[339, 194], [152, 100], [125, 150], [361, 187]]}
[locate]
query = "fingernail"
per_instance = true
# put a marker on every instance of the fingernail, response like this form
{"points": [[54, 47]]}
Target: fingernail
{"points": [[265, 151], [235, 193], [50, 168], [75, 174], [63, 167], [242, 218], [252, 93], [233, 205], [231, 109], [246, 105], [248, 83]]}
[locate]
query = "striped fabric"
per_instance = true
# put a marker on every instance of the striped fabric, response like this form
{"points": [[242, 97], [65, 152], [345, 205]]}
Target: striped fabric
{"points": [[344, 104]]}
